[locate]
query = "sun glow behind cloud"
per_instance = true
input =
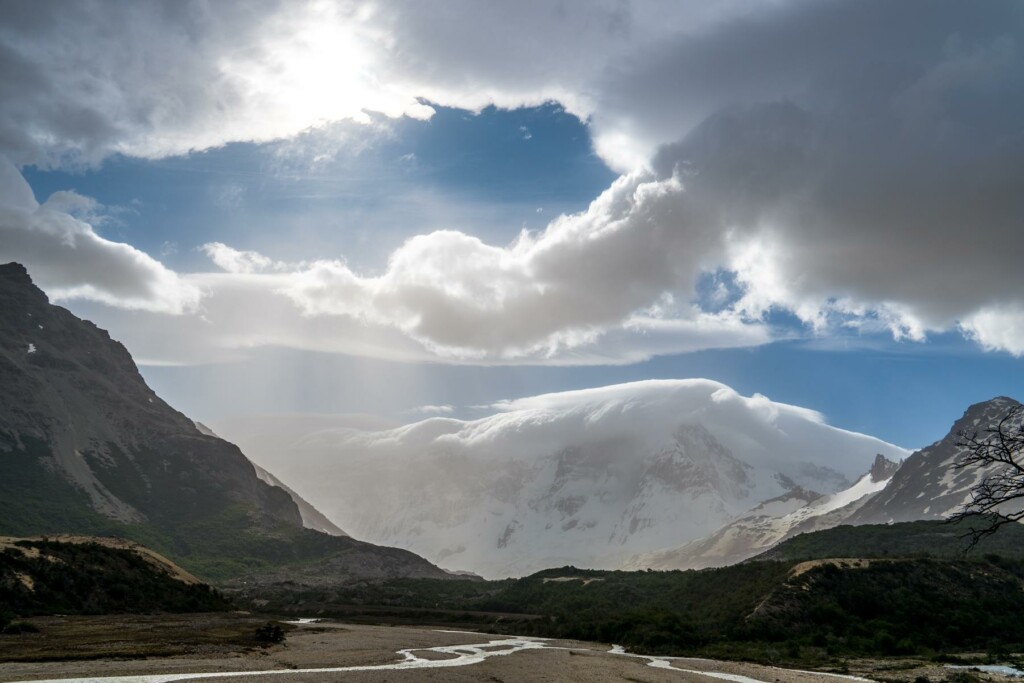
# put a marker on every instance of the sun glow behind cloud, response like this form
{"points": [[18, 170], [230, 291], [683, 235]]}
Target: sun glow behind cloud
{"points": [[317, 66]]}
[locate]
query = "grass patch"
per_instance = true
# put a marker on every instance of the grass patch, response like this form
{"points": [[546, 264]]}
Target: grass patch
{"points": [[133, 636]]}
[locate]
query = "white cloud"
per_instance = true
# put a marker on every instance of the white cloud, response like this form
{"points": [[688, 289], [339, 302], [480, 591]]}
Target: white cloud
{"points": [[239, 262], [578, 292], [240, 312], [998, 327], [434, 410], [69, 260]]}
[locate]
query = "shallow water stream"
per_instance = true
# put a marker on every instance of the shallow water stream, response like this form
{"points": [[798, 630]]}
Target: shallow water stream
{"points": [[439, 657]]}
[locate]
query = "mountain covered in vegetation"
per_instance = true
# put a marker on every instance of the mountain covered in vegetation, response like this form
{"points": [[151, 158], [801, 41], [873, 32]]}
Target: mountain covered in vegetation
{"points": [[90, 575]]}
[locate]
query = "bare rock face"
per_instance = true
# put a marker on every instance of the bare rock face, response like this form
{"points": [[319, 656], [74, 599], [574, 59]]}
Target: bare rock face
{"points": [[883, 468], [87, 447], [311, 517]]}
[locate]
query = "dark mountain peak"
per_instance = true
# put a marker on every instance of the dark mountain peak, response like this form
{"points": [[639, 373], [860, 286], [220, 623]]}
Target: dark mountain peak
{"points": [[16, 286], [14, 272], [58, 370], [982, 416], [997, 404], [882, 468]]}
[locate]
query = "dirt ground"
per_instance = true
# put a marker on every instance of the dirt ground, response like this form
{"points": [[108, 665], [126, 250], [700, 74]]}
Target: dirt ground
{"points": [[339, 645]]}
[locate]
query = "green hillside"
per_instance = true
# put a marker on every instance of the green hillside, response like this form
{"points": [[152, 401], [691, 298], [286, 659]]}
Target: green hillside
{"points": [[39, 577], [905, 539], [796, 612]]}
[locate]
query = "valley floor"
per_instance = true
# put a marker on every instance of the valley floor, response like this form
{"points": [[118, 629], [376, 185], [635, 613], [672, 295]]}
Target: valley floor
{"points": [[343, 652]]}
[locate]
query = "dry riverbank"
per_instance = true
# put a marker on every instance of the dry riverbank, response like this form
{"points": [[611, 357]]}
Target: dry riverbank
{"points": [[359, 653]]}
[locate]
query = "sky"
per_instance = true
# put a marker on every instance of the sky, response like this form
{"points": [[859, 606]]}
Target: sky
{"points": [[413, 209]]}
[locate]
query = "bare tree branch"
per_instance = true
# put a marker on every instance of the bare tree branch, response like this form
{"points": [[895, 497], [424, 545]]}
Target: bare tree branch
{"points": [[999, 452]]}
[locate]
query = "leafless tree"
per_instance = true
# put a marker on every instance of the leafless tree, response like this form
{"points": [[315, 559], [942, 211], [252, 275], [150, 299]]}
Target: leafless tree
{"points": [[997, 499]]}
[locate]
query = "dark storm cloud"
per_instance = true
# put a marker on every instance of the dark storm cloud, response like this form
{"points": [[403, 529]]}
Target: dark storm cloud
{"points": [[794, 51]]}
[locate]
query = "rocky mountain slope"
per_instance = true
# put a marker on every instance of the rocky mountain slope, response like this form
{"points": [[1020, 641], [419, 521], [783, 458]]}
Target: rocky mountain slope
{"points": [[927, 485], [87, 447], [589, 478], [311, 517]]}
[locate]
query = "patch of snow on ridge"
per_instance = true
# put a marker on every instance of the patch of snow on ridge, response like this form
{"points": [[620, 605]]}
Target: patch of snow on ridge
{"points": [[865, 486]]}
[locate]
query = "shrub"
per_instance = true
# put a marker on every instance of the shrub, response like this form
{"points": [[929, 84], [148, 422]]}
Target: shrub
{"points": [[19, 627], [270, 633]]}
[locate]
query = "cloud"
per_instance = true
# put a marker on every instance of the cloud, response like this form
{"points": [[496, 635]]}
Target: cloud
{"points": [[69, 260], [858, 164], [83, 80], [434, 410], [581, 291], [805, 52], [643, 74], [239, 262], [577, 293], [582, 273], [240, 312], [998, 327], [907, 217]]}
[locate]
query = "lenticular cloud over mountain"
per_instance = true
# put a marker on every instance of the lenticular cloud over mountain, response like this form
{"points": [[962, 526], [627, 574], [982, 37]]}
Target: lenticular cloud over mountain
{"points": [[588, 478]]}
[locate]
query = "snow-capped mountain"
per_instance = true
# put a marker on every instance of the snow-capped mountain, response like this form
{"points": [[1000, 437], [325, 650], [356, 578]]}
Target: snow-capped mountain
{"points": [[768, 524], [590, 477], [926, 485]]}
